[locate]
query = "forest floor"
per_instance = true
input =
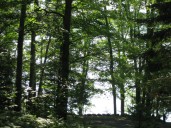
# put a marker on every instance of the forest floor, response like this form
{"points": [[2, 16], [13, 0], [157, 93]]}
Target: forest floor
{"points": [[10, 119], [117, 122], [108, 122]]}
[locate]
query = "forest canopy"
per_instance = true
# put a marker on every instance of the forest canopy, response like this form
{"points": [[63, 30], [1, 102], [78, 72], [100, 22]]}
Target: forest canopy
{"points": [[54, 52]]}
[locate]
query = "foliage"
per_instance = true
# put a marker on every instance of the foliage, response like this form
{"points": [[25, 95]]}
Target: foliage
{"points": [[21, 120], [119, 43]]}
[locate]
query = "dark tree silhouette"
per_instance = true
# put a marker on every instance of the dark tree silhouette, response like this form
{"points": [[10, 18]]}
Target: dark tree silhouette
{"points": [[20, 57], [62, 89]]}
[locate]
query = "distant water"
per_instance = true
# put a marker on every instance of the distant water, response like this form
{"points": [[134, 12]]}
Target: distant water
{"points": [[103, 104]]}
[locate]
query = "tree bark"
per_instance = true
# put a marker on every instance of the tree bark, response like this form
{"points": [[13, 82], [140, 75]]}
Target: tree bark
{"points": [[122, 93], [43, 68], [148, 59], [121, 85], [137, 85], [20, 57], [111, 65], [83, 84], [62, 89], [32, 83]]}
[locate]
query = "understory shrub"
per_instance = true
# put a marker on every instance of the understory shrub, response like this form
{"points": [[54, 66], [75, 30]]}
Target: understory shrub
{"points": [[11, 119]]}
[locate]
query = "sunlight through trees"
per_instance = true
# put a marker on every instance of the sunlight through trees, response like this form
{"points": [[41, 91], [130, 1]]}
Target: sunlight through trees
{"points": [[54, 54]]}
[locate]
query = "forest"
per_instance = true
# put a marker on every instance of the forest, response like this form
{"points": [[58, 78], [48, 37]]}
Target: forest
{"points": [[53, 53]]}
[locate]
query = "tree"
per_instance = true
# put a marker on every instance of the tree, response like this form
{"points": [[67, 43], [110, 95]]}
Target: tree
{"points": [[6, 76], [113, 82], [7, 58], [18, 97], [156, 36], [62, 89], [105, 43], [158, 52], [32, 81]]}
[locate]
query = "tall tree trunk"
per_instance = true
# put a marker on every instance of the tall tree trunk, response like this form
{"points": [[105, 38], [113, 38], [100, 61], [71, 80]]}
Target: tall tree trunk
{"points": [[137, 81], [138, 91], [121, 85], [122, 93], [32, 82], [149, 58], [43, 68], [83, 84], [111, 65], [20, 57], [137, 84], [62, 89]]}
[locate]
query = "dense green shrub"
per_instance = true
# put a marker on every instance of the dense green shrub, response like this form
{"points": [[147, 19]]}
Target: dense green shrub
{"points": [[13, 119]]}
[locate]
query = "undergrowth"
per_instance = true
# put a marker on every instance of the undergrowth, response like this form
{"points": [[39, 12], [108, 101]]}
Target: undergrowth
{"points": [[11, 119]]}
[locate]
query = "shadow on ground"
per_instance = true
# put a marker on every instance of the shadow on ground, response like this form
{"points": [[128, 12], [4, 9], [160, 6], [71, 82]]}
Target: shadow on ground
{"points": [[115, 122], [108, 122]]}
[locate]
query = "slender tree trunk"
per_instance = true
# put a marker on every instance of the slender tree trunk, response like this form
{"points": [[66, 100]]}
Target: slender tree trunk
{"points": [[43, 68], [137, 86], [82, 90], [122, 93], [114, 98], [62, 89], [20, 57], [32, 83], [121, 85], [112, 75], [111, 65], [148, 71], [137, 81], [148, 102]]}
